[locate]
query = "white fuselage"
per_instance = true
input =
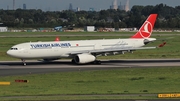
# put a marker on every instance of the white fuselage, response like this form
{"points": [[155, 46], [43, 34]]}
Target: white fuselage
{"points": [[62, 49]]}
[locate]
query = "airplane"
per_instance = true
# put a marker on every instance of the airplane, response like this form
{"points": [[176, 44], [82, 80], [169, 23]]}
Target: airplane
{"points": [[86, 51]]}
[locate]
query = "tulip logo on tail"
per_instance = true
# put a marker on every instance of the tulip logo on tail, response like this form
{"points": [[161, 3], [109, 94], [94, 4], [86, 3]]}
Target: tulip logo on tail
{"points": [[147, 28]]}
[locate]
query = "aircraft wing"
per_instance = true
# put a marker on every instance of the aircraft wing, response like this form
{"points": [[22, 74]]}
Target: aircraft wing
{"points": [[107, 50]]}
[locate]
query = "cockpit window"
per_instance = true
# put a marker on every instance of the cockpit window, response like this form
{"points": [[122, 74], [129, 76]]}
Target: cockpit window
{"points": [[14, 49]]}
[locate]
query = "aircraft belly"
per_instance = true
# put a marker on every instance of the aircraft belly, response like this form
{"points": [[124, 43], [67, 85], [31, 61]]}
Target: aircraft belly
{"points": [[42, 53]]}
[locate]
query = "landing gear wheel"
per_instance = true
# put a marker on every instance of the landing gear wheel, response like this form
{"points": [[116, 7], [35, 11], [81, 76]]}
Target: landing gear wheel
{"points": [[24, 63], [73, 61]]}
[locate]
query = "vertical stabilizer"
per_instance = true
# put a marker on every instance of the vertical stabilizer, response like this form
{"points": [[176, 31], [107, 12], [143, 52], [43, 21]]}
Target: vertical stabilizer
{"points": [[146, 29]]}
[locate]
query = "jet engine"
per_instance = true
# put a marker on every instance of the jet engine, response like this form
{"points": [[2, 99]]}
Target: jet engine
{"points": [[84, 58]]}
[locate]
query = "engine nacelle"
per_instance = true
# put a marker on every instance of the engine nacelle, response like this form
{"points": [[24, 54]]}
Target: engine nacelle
{"points": [[84, 58]]}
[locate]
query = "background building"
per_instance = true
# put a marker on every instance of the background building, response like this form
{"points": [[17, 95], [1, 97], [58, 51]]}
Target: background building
{"points": [[120, 7], [78, 9], [89, 28], [70, 7], [127, 6], [13, 4], [3, 29], [114, 5], [24, 6], [91, 9]]}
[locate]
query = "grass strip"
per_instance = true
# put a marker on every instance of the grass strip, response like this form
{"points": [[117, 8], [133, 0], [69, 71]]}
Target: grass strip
{"points": [[96, 82]]}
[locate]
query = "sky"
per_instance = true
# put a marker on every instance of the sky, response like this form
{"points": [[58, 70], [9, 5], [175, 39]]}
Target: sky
{"points": [[58, 5]]}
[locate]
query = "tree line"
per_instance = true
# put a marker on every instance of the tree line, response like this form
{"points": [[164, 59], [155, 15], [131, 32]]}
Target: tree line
{"points": [[168, 17]]}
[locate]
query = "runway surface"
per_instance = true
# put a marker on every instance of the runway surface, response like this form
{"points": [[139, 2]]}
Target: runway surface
{"points": [[8, 68]]}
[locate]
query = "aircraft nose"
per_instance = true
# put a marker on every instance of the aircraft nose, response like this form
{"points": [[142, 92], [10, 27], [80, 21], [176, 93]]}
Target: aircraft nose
{"points": [[13, 53], [8, 52]]}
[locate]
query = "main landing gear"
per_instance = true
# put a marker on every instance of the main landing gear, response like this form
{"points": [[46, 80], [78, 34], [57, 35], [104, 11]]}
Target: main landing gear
{"points": [[98, 62], [23, 61]]}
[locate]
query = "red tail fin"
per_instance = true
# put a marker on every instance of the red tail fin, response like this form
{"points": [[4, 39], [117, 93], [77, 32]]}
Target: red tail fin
{"points": [[147, 28]]}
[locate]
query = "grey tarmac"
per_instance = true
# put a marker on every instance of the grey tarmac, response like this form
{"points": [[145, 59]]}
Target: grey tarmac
{"points": [[8, 68]]}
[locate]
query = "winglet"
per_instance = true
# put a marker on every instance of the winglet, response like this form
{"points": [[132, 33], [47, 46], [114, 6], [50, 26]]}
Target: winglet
{"points": [[161, 45], [146, 29]]}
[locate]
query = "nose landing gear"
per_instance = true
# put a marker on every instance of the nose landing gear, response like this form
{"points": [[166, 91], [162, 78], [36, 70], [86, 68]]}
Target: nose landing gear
{"points": [[23, 61]]}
